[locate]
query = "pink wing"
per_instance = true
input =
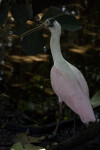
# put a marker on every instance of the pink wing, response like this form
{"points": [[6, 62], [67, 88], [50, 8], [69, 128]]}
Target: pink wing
{"points": [[68, 90], [80, 80]]}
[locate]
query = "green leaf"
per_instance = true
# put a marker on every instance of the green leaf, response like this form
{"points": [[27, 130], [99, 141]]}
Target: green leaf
{"points": [[19, 13], [22, 138], [0, 1], [68, 22], [17, 146], [51, 12], [95, 101], [29, 7], [3, 12], [25, 139], [33, 44], [33, 147]]}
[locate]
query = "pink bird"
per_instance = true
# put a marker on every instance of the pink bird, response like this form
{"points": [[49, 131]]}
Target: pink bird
{"points": [[67, 81]]}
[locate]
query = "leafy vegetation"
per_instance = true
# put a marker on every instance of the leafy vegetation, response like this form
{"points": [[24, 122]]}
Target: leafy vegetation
{"points": [[19, 146], [95, 101], [34, 43], [67, 22], [26, 96]]}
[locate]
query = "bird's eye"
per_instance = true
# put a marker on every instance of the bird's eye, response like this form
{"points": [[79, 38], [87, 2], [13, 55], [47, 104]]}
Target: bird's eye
{"points": [[48, 23]]}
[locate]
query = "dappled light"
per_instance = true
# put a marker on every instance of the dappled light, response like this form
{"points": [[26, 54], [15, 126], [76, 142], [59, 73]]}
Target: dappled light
{"points": [[29, 59], [18, 85], [80, 49], [28, 104], [29, 22], [45, 35], [49, 91], [90, 33], [5, 95]]}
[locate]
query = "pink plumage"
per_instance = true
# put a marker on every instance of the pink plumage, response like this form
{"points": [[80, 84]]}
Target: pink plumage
{"points": [[72, 93], [67, 81]]}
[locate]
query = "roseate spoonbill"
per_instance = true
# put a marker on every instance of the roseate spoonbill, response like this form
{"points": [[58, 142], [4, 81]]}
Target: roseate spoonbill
{"points": [[67, 81]]}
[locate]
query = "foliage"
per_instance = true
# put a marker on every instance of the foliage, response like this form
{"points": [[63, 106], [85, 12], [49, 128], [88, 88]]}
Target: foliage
{"points": [[95, 101], [19, 146], [31, 96], [3, 12], [19, 13], [22, 139], [34, 43], [51, 12], [67, 22], [25, 139], [0, 1]]}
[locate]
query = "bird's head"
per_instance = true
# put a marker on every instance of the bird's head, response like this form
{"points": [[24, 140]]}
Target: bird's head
{"points": [[50, 23], [53, 26]]}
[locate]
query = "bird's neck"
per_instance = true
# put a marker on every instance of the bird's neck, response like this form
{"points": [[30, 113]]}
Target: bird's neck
{"points": [[55, 48]]}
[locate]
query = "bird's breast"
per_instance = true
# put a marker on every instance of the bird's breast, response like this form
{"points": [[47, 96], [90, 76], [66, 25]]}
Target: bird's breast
{"points": [[64, 68]]}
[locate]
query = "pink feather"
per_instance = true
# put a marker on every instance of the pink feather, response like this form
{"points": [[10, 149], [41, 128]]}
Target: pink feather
{"points": [[74, 92]]}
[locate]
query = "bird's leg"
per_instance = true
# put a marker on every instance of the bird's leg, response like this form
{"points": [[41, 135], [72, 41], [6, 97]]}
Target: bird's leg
{"points": [[60, 116]]}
